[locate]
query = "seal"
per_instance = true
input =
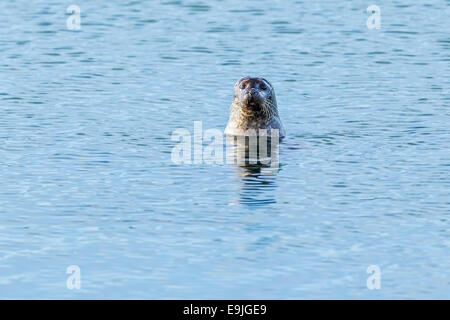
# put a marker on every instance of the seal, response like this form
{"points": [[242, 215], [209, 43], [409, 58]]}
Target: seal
{"points": [[254, 107]]}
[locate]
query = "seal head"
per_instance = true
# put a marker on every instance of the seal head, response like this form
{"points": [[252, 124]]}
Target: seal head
{"points": [[254, 107]]}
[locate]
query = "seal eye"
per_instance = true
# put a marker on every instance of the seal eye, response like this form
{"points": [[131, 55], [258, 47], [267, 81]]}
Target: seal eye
{"points": [[263, 86], [242, 85]]}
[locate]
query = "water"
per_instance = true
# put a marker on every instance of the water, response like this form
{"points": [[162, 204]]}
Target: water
{"points": [[87, 179]]}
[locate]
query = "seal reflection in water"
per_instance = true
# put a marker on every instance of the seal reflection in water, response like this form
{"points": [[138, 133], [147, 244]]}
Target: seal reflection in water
{"points": [[258, 163], [254, 132]]}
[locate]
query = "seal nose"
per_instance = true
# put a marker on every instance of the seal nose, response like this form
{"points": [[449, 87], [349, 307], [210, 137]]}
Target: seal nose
{"points": [[253, 92]]}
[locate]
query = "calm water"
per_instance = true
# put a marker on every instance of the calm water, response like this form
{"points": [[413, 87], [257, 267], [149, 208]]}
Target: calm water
{"points": [[86, 175]]}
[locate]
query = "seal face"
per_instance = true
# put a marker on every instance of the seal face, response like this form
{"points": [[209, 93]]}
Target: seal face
{"points": [[254, 107]]}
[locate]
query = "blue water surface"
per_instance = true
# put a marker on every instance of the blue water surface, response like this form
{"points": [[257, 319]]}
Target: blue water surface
{"points": [[87, 178]]}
